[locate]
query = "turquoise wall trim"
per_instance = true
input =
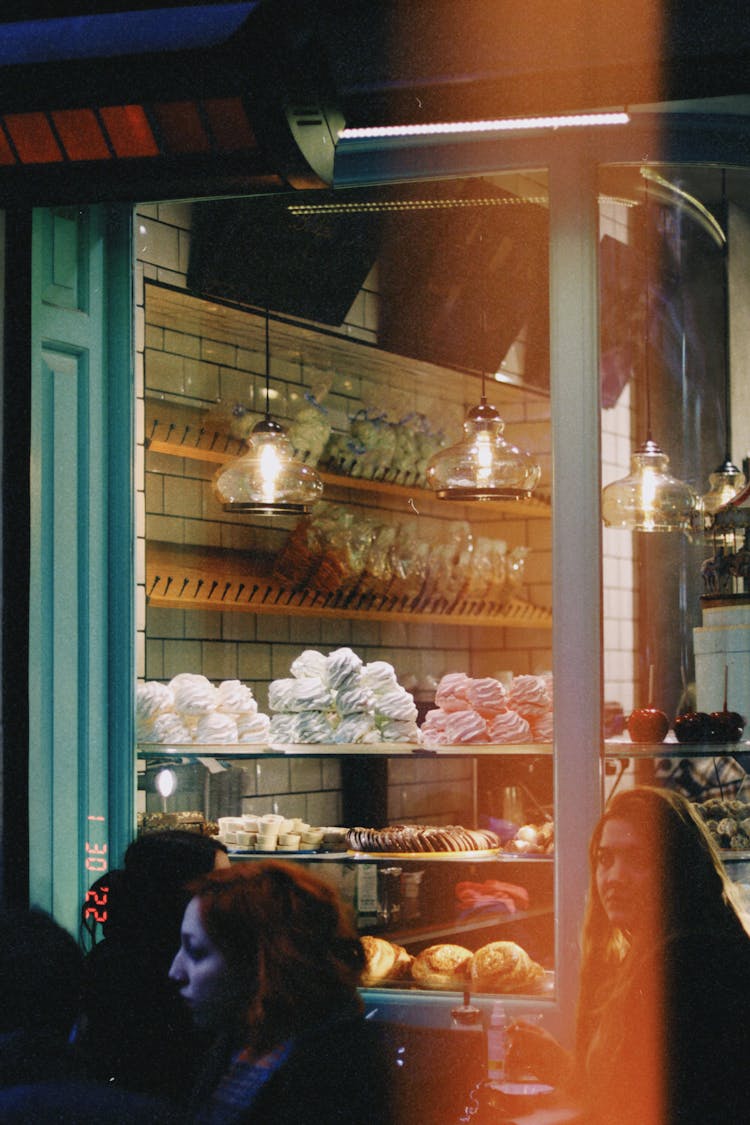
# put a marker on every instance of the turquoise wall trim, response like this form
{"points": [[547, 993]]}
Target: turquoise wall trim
{"points": [[81, 627]]}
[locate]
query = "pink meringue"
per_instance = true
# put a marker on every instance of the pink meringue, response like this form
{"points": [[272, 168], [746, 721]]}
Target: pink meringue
{"points": [[509, 726], [528, 695], [487, 696], [451, 692], [465, 726]]}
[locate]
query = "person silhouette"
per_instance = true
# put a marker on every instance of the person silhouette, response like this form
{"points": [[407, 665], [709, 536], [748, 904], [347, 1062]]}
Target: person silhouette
{"points": [[662, 1034], [135, 1032]]}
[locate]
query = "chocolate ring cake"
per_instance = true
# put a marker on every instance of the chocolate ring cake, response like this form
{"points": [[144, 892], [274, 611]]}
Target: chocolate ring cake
{"points": [[421, 838]]}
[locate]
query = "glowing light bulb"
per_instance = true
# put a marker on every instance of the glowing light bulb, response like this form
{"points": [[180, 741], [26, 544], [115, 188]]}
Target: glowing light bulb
{"points": [[649, 498], [166, 782]]}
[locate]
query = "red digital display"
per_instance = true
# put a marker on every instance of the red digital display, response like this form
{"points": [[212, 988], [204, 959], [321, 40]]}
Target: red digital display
{"points": [[95, 903]]}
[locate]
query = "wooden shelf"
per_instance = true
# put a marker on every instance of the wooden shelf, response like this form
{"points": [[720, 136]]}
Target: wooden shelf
{"points": [[180, 433], [190, 578]]}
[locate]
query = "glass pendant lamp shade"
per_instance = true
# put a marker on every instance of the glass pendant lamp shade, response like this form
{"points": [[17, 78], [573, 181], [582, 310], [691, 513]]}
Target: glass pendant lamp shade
{"points": [[483, 465], [724, 485], [649, 498], [267, 479]]}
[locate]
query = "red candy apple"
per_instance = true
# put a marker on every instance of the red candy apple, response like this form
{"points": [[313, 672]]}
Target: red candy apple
{"points": [[647, 724], [725, 726], [692, 726]]}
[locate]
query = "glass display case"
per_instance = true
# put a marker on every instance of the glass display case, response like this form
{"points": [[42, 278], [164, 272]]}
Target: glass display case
{"points": [[371, 371], [672, 240]]}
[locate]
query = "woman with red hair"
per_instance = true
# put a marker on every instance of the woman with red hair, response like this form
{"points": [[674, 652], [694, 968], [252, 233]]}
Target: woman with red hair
{"points": [[269, 963]]}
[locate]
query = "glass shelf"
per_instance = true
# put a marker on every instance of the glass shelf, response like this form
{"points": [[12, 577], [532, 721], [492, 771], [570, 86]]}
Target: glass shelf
{"points": [[240, 751], [623, 748]]}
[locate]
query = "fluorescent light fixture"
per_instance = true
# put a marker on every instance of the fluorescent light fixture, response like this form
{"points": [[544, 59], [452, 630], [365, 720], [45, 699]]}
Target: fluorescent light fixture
{"points": [[374, 205], [498, 125]]}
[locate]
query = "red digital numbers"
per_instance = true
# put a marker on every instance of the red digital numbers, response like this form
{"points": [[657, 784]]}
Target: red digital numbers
{"points": [[95, 903], [96, 907], [96, 857]]}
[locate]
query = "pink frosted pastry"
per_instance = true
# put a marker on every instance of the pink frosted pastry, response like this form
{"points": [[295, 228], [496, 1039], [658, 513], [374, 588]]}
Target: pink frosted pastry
{"points": [[465, 726], [542, 729], [236, 698], [433, 728], [528, 695], [451, 692], [487, 696], [432, 739], [509, 726], [434, 720]]}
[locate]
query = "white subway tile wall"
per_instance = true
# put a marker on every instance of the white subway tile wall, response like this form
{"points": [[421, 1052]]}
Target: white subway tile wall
{"points": [[618, 439]]}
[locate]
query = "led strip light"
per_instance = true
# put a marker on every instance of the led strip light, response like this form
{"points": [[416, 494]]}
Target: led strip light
{"points": [[503, 124]]}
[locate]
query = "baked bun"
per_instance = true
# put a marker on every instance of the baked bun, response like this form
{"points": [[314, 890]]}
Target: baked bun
{"points": [[384, 960], [442, 966], [504, 966]]}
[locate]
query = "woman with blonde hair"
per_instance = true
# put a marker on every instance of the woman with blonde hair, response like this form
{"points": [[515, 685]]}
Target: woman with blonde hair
{"points": [[662, 1035], [270, 964]]}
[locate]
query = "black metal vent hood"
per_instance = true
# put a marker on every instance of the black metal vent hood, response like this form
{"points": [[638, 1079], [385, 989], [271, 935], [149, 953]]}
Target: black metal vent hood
{"points": [[184, 100]]}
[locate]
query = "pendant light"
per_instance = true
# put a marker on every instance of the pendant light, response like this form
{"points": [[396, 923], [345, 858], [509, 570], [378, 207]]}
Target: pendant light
{"points": [[727, 480], [267, 479], [483, 465], [649, 498]]}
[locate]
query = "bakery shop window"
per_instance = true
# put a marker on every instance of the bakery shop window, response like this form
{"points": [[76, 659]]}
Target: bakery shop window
{"points": [[335, 685], [672, 249]]}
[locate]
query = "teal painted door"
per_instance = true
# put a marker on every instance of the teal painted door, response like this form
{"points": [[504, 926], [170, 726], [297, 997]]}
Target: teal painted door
{"points": [[81, 630]]}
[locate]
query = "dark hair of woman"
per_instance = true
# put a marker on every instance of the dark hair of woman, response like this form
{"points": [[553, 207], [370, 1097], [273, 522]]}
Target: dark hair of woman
{"points": [[691, 899], [288, 944], [146, 897]]}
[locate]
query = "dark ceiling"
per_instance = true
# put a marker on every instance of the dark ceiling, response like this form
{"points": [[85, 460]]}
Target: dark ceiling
{"points": [[372, 61]]}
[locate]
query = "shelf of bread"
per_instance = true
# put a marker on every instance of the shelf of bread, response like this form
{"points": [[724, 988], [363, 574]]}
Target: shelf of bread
{"points": [[180, 576], [183, 433], [447, 966], [193, 751]]}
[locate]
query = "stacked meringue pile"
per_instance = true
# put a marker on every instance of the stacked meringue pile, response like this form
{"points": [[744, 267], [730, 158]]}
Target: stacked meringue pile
{"points": [[337, 698], [483, 710], [190, 709]]}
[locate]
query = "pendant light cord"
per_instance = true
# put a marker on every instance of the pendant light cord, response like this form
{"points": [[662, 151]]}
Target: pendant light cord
{"points": [[727, 354], [646, 359], [483, 314], [268, 369]]}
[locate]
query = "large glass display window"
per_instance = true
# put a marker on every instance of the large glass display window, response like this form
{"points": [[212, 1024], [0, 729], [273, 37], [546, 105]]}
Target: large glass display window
{"points": [[365, 685], [673, 243]]}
